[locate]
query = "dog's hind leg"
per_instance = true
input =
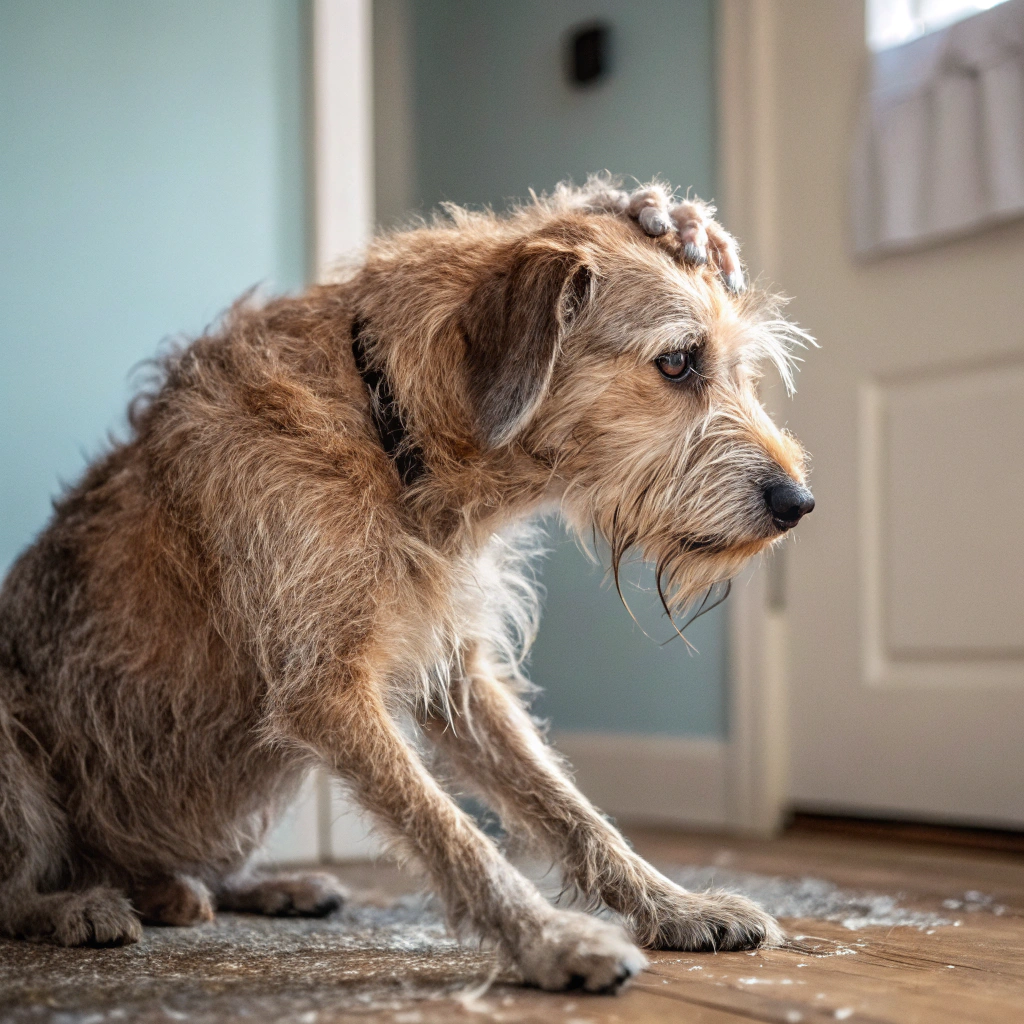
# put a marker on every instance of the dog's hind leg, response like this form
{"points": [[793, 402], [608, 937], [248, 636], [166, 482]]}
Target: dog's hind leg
{"points": [[498, 749], [482, 892], [175, 900], [303, 894], [33, 861]]}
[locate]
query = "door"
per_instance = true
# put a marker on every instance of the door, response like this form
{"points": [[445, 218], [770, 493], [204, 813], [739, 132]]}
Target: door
{"points": [[905, 588]]}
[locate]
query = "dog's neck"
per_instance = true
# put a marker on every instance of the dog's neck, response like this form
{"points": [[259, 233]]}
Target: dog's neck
{"points": [[387, 417], [447, 498]]}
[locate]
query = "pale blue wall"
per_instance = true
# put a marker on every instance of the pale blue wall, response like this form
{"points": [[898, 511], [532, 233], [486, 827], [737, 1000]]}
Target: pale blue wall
{"points": [[152, 167], [494, 117], [598, 669]]}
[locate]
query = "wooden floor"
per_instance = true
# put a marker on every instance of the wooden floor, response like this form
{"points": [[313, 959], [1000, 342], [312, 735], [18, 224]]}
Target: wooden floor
{"points": [[965, 971], [971, 970], [958, 956]]}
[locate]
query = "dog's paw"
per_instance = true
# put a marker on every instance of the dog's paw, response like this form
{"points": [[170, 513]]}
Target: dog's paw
{"points": [[689, 227], [313, 894], [707, 922], [705, 240], [575, 951], [700, 237], [178, 901], [95, 917]]}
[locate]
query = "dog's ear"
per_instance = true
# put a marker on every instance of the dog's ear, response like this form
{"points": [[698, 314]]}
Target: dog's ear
{"points": [[512, 327]]}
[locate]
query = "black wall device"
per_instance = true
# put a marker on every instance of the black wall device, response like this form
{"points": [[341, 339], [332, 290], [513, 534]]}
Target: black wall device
{"points": [[587, 54]]}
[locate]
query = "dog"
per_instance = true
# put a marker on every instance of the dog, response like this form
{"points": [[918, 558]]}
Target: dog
{"points": [[320, 527]]}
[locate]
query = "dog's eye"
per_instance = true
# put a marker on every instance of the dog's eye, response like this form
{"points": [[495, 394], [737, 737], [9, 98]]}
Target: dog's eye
{"points": [[675, 365]]}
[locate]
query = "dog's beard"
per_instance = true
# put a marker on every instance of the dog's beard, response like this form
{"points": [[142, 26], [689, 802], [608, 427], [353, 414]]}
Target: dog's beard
{"points": [[687, 575], [692, 568]]}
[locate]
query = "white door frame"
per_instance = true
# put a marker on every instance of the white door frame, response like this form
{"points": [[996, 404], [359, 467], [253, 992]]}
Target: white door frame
{"points": [[343, 192], [747, 174], [323, 826], [343, 216]]}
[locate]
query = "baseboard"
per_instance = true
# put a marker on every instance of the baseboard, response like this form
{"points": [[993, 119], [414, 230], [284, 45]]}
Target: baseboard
{"points": [[296, 839], [651, 780], [321, 827], [640, 780]]}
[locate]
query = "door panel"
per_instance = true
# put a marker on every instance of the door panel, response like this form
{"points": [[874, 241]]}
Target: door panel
{"points": [[944, 565]]}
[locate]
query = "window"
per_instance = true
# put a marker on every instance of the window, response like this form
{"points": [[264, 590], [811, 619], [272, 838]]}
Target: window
{"points": [[939, 150], [891, 22]]}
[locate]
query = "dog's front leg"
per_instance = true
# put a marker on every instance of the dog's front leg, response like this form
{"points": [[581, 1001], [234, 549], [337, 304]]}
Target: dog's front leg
{"points": [[482, 892], [498, 749]]}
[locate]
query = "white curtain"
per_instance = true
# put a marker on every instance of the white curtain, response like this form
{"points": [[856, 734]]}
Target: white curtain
{"points": [[940, 143]]}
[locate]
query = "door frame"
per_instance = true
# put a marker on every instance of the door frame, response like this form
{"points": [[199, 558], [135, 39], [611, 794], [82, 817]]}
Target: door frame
{"points": [[322, 826], [343, 217], [342, 69], [747, 169]]}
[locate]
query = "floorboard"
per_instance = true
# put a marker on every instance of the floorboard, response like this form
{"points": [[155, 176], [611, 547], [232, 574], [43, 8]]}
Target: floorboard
{"points": [[893, 932]]}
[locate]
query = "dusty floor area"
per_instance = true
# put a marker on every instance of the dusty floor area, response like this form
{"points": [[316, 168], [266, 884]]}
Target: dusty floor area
{"points": [[878, 932]]}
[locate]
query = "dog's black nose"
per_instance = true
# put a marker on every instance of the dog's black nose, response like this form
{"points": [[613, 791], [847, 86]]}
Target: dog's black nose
{"points": [[788, 502]]}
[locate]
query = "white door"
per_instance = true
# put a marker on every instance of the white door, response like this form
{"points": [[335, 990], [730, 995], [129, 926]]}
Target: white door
{"points": [[905, 588]]}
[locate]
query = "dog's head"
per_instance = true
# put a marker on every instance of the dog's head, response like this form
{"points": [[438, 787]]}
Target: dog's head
{"points": [[627, 364]]}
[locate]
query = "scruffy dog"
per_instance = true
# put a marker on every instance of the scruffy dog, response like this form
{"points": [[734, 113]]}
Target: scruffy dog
{"points": [[318, 525]]}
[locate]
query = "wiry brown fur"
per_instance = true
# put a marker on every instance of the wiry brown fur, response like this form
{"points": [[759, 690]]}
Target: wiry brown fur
{"points": [[245, 588]]}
